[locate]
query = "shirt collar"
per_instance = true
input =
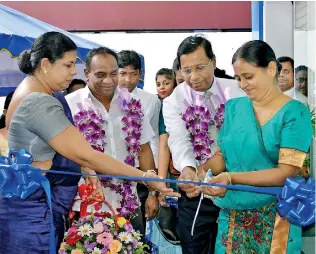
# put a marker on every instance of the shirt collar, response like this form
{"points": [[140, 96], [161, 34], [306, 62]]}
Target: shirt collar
{"points": [[213, 89], [88, 94], [135, 91]]}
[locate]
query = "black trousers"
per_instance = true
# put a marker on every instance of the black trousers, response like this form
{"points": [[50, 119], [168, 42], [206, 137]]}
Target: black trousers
{"points": [[205, 230], [139, 222]]}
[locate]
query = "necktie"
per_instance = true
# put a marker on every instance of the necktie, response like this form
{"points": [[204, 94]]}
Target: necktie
{"points": [[208, 102]]}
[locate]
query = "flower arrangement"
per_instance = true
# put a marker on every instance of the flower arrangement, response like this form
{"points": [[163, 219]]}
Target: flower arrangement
{"points": [[95, 235], [90, 123]]}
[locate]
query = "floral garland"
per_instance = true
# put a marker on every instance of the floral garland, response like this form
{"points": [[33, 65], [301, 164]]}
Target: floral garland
{"points": [[198, 119], [132, 127], [90, 123]]}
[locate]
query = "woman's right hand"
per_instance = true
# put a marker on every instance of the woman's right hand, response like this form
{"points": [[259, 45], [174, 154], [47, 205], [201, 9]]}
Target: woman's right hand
{"points": [[95, 182], [160, 186]]}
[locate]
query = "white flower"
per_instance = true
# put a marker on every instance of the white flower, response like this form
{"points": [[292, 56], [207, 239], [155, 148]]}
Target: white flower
{"points": [[96, 251], [86, 229], [109, 221], [125, 237], [136, 235]]}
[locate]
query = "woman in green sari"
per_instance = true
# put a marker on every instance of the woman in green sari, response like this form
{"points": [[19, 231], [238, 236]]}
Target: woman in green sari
{"points": [[264, 140]]}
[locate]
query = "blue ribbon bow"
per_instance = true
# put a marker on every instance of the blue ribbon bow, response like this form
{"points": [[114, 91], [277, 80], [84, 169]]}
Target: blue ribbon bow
{"points": [[18, 178], [297, 201]]}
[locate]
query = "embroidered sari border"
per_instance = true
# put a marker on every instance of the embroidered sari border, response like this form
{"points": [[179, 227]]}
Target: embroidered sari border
{"points": [[230, 231], [292, 157], [280, 235]]}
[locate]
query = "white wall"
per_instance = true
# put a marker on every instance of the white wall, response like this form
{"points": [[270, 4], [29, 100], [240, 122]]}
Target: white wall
{"points": [[278, 27], [159, 49]]}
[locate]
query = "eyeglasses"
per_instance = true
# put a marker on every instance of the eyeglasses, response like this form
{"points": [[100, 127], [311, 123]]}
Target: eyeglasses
{"points": [[199, 68]]}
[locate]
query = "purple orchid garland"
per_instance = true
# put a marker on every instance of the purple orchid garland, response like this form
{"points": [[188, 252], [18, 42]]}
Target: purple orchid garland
{"points": [[132, 127], [198, 119], [90, 123]]}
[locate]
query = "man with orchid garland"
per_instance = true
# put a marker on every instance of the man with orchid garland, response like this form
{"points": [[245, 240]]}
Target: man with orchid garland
{"points": [[129, 63], [113, 121], [192, 141]]}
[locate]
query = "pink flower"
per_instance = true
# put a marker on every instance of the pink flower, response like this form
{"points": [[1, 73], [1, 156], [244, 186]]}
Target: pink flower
{"points": [[98, 228], [105, 238], [72, 230]]}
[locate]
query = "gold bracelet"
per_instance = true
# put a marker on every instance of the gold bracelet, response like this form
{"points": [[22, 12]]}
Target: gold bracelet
{"points": [[144, 175], [228, 176]]}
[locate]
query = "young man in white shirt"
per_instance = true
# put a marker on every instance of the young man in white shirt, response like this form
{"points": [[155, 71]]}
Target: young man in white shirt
{"points": [[286, 79], [197, 65], [103, 95], [129, 73]]}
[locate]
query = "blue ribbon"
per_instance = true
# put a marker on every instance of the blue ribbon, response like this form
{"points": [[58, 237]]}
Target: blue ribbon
{"points": [[295, 201], [18, 178]]}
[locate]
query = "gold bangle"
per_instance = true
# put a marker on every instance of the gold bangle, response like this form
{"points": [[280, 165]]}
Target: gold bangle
{"points": [[228, 176], [144, 175]]}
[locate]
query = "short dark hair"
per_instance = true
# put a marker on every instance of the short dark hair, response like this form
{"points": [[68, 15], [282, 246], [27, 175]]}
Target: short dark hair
{"points": [[75, 82], [175, 66], [168, 73], [257, 53], [301, 68], [284, 59], [129, 57], [99, 51], [192, 43], [51, 45]]}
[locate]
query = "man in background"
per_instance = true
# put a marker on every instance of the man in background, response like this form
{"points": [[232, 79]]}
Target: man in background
{"points": [[286, 79], [129, 73]]}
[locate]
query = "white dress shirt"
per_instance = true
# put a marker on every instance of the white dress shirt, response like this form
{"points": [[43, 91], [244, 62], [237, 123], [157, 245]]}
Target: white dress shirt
{"points": [[173, 107], [297, 95], [115, 136], [152, 105]]}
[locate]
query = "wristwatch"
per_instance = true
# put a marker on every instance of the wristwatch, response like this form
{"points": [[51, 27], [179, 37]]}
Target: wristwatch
{"points": [[153, 193]]}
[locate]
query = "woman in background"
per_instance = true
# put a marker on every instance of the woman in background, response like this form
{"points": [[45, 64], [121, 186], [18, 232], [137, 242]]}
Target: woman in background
{"points": [[165, 84]]}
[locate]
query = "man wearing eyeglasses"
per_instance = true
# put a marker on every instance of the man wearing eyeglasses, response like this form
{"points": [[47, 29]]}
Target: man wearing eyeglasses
{"points": [[197, 64]]}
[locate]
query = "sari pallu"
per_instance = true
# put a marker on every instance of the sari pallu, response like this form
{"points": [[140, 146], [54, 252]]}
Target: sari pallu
{"points": [[248, 222]]}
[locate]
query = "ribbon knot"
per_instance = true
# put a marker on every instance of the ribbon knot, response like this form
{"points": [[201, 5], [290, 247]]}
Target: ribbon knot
{"points": [[17, 177], [297, 201]]}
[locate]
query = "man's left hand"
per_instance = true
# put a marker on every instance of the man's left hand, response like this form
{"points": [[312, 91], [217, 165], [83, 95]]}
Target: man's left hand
{"points": [[151, 207]]}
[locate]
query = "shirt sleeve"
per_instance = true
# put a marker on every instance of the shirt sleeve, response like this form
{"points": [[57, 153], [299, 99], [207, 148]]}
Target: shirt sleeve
{"points": [[162, 126], [154, 118], [44, 116], [179, 140], [147, 131]]}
